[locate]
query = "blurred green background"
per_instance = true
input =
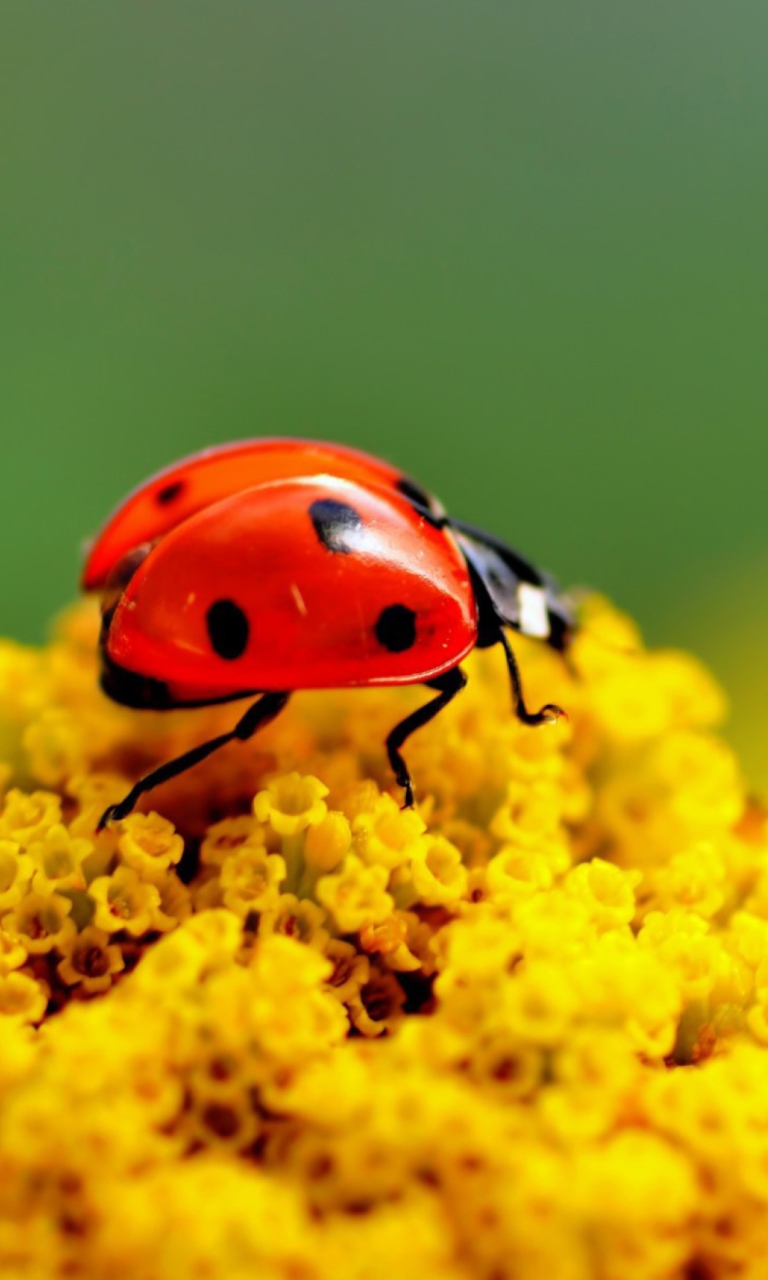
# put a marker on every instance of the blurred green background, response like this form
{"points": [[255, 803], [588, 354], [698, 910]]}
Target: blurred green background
{"points": [[519, 248]]}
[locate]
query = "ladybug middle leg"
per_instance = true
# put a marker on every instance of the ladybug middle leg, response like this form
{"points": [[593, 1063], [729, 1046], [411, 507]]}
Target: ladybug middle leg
{"points": [[259, 714], [448, 685]]}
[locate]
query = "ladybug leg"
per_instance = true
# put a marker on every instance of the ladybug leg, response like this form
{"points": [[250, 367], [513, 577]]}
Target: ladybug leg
{"points": [[448, 684], [257, 715], [549, 714]]}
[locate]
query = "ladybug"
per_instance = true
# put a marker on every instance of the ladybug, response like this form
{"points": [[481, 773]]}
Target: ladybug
{"points": [[265, 566]]}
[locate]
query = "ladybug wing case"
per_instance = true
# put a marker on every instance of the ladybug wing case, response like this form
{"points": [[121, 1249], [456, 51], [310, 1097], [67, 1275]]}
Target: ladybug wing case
{"points": [[305, 583], [172, 496]]}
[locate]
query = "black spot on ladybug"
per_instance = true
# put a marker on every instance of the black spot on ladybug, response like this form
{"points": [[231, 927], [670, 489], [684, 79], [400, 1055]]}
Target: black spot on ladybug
{"points": [[414, 493], [170, 493], [335, 524], [228, 629], [396, 628]]}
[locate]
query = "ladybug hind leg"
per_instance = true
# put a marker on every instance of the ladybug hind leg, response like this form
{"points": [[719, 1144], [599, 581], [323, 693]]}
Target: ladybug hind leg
{"points": [[259, 714], [448, 685]]}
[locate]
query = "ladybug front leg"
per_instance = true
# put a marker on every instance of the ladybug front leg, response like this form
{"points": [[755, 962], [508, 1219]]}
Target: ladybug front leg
{"points": [[257, 715], [449, 684]]}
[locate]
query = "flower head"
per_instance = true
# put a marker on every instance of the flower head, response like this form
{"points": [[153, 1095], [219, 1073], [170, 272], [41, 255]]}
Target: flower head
{"points": [[522, 1030]]}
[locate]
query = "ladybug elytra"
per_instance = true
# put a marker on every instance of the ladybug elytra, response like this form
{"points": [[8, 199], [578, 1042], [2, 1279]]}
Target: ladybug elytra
{"points": [[266, 566]]}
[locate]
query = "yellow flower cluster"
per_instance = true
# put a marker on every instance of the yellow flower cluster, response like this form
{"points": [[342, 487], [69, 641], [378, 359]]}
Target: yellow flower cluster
{"points": [[289, 1030]]}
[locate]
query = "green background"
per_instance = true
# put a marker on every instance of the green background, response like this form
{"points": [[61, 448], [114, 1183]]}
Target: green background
{"points": [[518, 247]]}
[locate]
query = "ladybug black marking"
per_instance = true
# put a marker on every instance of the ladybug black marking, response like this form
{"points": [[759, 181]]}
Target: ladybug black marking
{"points": [[228, 629], [396, 628], [170, 493], [417, 496], [335, 524]]}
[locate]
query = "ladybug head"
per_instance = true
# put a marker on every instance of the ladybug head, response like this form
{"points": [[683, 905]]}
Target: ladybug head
{"points": [[118, 578], [126, 687]]}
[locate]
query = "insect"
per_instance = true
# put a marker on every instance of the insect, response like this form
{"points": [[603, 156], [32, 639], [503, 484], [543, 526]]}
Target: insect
{"points": [[258, 568]]}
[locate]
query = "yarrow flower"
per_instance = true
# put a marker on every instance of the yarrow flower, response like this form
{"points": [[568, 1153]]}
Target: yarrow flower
{"points": [[279, 1026]]}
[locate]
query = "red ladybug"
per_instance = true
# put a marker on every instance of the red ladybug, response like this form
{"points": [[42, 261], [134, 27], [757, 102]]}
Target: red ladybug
{"points": [[272, 565]]}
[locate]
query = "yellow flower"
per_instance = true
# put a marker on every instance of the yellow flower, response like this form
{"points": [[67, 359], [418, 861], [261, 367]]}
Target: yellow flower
{"points": [[58, 860], [292, 918], [356, 896], [40, 922], [21, 998], [297, 1019], [389, 940], [505, 1065], [531, 812], [694, 697], [149, 844], [291, 803], [94, 792], [517, 873], [219, 933], [522, 1031], [251, 878], [13, 953], [16, 871], [26, 818], [540, 1005], [682, 943], [378, 1006], [437, 872], [89, 961], [122, 901], [653, 1188], [702, 775], [387, 835], [606, 639], [175, 965], [328, 842], [223, 1123], [606, 891], [628, 707], [693, 879], [350, 971], [55, 746], [175, 901], [227, 836]]}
